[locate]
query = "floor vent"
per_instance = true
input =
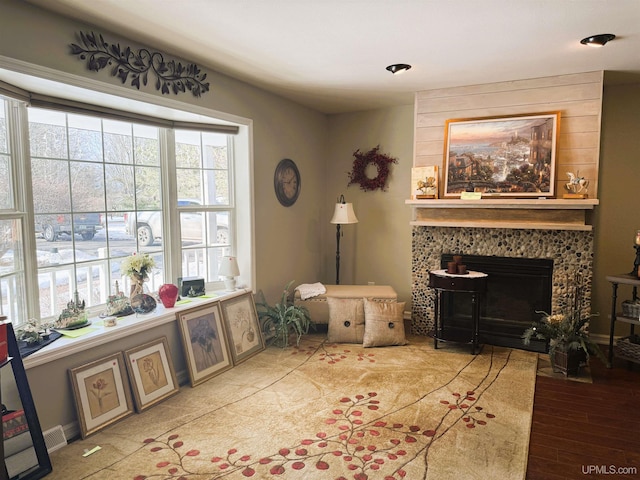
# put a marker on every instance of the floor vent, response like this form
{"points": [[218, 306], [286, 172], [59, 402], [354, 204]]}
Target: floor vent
{"points": [[54, 438]]}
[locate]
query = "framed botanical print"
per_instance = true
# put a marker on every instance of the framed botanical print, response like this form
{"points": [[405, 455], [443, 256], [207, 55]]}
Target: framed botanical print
{"points": [[151, 373], [204, 341], [243, 327], [101, 393], [512, 156]]}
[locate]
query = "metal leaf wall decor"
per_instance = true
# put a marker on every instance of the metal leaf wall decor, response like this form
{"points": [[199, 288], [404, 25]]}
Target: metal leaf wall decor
{"points": [[171, 76]]}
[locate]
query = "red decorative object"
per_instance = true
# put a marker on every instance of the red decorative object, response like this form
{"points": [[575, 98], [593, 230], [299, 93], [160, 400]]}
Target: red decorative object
{"points": [[168, 294], [380, 160]]}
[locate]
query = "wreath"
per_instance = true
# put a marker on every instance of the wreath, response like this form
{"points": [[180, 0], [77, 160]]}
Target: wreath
{"points": [[362, 160]]}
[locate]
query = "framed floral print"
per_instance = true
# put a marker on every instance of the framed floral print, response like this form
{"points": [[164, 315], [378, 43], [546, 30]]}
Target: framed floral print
{"points": [[151, 373], [243, 327], [204, 341], [101, 393]]}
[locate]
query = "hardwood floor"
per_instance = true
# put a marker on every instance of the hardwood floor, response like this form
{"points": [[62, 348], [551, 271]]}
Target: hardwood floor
{"points": [[587, 431]]}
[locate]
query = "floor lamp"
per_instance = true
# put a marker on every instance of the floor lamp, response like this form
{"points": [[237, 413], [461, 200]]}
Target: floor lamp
{"points": [[342, 215]]}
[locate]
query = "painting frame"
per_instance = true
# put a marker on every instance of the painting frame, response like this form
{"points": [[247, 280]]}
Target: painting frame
{"points": [[243, 327], [151, 373], [93, 385], [205, 342], [490, 155]]}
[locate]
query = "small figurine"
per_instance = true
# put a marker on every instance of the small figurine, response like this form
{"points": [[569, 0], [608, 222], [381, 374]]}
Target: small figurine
{"points": [[577, 185]]}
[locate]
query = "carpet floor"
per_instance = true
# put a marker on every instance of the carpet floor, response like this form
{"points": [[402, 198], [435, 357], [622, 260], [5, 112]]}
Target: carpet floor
{"points": [[327, 411]]}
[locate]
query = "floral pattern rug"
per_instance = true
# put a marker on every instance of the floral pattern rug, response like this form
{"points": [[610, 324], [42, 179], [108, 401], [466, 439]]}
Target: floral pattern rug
{"points": [[327, 411]]}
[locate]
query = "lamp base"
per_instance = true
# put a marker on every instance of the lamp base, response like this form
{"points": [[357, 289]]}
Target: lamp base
{"points": [[230, 284]]}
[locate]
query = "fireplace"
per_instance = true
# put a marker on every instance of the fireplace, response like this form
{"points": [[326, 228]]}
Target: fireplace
{"points": [[564, 255], [517, 288]]}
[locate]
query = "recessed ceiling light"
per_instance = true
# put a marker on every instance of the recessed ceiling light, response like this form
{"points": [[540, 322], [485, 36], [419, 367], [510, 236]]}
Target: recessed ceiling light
{"points": [[398, 68], [598, 40]]}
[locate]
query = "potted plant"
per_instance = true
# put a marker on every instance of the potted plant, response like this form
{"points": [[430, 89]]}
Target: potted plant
{"points": [[567, 334], [283, 319]]}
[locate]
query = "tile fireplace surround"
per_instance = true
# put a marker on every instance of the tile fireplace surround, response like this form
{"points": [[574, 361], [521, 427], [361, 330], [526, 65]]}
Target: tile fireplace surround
{"points": [[570, 250]]}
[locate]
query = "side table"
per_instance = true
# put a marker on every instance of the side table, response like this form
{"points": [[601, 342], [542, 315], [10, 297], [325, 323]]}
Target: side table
{"points": [[444, 283], [615, 280]]}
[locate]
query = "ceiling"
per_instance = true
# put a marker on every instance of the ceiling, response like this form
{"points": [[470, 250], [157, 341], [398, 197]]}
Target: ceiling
{"points": [[331, 55]]}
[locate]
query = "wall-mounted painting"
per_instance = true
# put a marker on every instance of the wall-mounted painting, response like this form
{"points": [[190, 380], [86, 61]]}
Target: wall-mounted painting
{"points": [[204, 342], [511, 156], [101, 392]]}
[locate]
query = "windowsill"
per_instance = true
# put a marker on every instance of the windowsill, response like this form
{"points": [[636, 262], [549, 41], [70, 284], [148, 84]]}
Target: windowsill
{"points": [[127, 326]]}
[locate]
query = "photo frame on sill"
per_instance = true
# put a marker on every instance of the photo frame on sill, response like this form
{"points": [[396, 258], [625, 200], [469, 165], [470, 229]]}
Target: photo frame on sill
{"points": [[243, 327], [511, 156], [151, 373], [205, 342], [101, 393]]}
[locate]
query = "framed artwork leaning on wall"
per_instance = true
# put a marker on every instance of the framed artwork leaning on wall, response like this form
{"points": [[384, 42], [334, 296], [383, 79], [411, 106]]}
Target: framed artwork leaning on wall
{"points": [[101, 393], [205, 342], [151, 373]]}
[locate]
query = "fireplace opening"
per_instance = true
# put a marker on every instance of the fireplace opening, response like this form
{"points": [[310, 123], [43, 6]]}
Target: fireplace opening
{"points": [[517, 288]]}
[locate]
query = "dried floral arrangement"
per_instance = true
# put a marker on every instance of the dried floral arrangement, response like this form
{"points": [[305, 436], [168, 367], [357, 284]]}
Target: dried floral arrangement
{"points": [[360, 164]]}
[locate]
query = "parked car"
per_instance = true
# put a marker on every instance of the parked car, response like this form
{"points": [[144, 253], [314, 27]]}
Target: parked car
{"points": [[84, 224], [148, 225]]}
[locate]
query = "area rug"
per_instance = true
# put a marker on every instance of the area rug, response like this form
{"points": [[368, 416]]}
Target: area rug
{"points": [[327, 411]]}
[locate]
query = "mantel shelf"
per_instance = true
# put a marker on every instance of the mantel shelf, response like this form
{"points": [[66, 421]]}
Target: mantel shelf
{"points": [[534, 214], [511, 203]]}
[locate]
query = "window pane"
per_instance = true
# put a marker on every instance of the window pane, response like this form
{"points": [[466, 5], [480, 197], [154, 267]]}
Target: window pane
{"points": [[50, 183], [215, 151], [47, 134], [6, 190], [189, 184], [147, 150], [4, 142], [12, 289], [148, 188], [188, 149], [121, 187], [85, 138], [118, 149], [87, 186]]}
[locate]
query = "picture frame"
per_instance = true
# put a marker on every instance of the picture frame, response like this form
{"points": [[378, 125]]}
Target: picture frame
{"points": [[424, 182], [205, 342], [151, 373], [510, 156], [243, 327], [101, 392]]}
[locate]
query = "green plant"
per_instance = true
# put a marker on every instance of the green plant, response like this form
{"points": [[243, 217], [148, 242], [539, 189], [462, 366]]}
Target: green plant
{"points": [[567, 331], [283, 318]]}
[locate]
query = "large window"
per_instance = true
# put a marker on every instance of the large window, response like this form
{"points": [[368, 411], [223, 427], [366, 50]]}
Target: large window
{"points": [[101, 190], [202, 170]]}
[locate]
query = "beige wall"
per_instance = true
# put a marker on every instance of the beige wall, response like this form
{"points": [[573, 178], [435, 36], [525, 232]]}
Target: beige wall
{"points": [[378, 248], [617, 217]]}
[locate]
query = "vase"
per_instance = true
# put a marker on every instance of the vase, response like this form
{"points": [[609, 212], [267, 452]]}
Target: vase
{"points": [[567, 361], [137, 286], [168, 294]]}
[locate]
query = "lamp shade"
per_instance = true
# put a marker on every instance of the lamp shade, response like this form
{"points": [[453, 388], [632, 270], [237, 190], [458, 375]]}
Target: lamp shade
{"points": [[229, 267], [344, 214]]}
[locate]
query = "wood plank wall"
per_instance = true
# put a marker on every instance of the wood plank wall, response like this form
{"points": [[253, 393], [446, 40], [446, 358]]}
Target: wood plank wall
{"points": [[577, 97]]}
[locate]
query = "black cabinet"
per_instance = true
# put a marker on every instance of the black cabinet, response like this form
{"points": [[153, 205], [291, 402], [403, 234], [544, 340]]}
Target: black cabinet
{"points": [[446, 286], [25, 454]]}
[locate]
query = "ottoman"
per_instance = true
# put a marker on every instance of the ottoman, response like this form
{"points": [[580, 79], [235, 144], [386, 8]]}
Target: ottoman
{"points": [[319, 309]]}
